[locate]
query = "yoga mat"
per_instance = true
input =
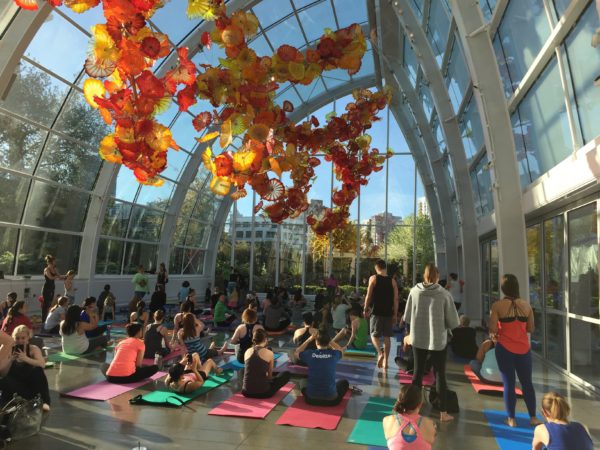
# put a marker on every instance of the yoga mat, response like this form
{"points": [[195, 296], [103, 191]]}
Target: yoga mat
{"points": [[170, 356], [356, 372], [507, 438], [174, 399], [484, 388], [256, 408], [61, 356], [406, 378], [369, 428], [368, 351], [303, 415], [105, 390], [234, 364]]}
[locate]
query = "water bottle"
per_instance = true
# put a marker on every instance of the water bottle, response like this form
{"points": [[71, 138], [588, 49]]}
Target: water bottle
{"points": [[158, 360]]}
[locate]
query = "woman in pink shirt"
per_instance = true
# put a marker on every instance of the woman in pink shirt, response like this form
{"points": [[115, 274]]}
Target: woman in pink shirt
{"points": [[126, 366]]}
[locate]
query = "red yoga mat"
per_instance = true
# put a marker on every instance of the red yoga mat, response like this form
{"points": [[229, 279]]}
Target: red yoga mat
{"points": [[256, 408], [406, 378], [484, 388], [105, 390], [303, 415], [174, 354]]}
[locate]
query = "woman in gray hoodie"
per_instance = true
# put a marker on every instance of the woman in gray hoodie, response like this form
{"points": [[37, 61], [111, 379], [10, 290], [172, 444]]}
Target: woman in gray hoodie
{"points": [[431, 313]]}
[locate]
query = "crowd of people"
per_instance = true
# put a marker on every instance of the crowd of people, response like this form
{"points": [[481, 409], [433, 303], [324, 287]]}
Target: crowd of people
{"points": [[428, 317]]}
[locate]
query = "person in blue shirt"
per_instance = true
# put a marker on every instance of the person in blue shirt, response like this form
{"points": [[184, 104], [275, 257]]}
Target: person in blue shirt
{"points": [[321, 388]]}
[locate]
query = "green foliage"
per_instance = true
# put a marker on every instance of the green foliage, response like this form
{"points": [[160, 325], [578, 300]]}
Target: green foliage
{"points": [[400, 242]]}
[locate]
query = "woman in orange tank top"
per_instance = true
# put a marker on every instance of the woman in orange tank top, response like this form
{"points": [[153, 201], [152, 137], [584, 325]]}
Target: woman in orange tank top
{"points": [[511, 319]]}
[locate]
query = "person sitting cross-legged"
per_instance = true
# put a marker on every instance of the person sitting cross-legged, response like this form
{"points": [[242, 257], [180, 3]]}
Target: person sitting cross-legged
{"points": [[322, 388], [358, 331]]}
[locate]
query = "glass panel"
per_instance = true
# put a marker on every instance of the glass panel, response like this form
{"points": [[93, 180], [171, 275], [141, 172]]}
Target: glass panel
{"points": [[172, 20], [82, 122], [426, 99], [35, 94], [8, 249], [289, 95], [334, 78], [487, 8], [561, 6], [410, 62], [197, 234], [522, 160], [35, 245], [184, 132], [585, 351], [438, 27], [176, 161], [60, 47], [139, 254], [503, 66], [188, 203], [417, 6], [315, 19], [155, 197], [486, 273], [495, 265], [534, 262], [67, 162], [288, 32], [347, 16], [260, 46], [13, 192], [584, 65], [87, 19], [109, 257], [175, 260], [544, 123], [312, 90], [457, 78], [126, 185], [270, 11], [180, 231], [292, 239], [583, 261], [484, 183], [116, 219], [400, 185], [554, 237], [556, 326], [206, 207], [367, 67], [264, 255], [20, 144], [523, 31], [193, 261], [145, 224], [56, 207], [471, 131]]}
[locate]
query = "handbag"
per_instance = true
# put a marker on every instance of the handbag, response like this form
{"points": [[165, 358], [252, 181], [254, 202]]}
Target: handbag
{"points": [[22, 418], [451, 400]]}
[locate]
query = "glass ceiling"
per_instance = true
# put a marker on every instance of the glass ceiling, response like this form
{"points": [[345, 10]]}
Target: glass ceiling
{"points": [[45, 105]]}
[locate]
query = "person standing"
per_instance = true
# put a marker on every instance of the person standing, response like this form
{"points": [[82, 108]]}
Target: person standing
{"points": [[455, 287], [511, 318], [162, 277], [381, 304], [331, 285], [50, 274], [431, 314], [140, 283]]}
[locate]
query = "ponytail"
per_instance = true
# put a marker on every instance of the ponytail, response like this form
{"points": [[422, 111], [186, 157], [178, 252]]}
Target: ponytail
{"points": [[12, 312], [556, 406], [409, 398], [259, 336]]}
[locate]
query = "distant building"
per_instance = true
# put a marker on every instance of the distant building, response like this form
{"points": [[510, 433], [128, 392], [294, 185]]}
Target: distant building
{"points": [[380, 227], [423, 206]]}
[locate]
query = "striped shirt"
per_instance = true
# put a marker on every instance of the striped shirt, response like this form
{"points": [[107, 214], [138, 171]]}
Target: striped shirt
{"points": [[195, 345]]}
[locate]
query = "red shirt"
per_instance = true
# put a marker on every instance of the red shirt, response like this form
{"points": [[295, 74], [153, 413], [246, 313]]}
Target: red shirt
{"points": [[513, 336], [124, 362], [19, 319]]}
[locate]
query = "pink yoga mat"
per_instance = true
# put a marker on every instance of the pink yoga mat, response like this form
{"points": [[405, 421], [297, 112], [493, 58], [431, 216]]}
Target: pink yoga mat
{"points": [[406, 378], [303, 415], [170, 356], [256, 408], [105, 390], [484, 388]]}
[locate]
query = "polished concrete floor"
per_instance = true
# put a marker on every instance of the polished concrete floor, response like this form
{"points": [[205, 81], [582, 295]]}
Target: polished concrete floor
{"points": [[115, 424]]}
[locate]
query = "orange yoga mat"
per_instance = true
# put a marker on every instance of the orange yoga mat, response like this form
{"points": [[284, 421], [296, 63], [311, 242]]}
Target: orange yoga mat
{"points": [[484, 388]]}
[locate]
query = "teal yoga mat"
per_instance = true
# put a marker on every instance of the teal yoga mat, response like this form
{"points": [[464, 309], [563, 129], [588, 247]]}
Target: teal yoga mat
{"points": [[369, 428], [62, 357], [368, 351], [507, 438], [175, 400]]}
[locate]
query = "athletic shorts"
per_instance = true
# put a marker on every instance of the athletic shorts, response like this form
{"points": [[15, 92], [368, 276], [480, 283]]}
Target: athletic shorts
{"points": [[381, 326]]}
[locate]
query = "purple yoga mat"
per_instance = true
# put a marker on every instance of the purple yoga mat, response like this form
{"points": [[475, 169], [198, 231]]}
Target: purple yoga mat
{"points": [[105, 390], [406, 378], [356, 372]]}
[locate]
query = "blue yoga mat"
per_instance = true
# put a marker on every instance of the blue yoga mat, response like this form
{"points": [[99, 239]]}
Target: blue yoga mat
{"points": [[507, 438], [234, 364]]}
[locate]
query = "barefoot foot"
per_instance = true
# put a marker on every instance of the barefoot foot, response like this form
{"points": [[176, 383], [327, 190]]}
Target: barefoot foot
{"points": [[511, 422], [380, 361], [445, 417], [534, 421]]}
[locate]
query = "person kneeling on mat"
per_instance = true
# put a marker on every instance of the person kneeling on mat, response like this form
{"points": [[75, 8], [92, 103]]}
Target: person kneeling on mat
{"points": [[405, 428], [190, 374], [485, 365], [258, 375], [321, 388], [359, 330], [126, 366]]}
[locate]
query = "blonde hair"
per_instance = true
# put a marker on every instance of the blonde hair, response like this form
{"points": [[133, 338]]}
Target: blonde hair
{"points": [[431, 273], [21, 329], [70, 272], [556, 407], [464, 320]]}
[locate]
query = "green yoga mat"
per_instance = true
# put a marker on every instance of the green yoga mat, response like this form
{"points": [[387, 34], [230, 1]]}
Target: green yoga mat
{"points": [[175, 400], [62, 357], [368, 351], [369, 428]]}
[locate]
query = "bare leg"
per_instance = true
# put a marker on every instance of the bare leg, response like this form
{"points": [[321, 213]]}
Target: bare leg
{"points": [[386, 351], [377, 345], [222, 349], [210, 366], [339, 336]]}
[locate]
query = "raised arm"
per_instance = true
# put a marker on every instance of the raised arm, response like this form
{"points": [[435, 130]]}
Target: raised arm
{"points": [[493, 325], [304, 346], [530, 321]]}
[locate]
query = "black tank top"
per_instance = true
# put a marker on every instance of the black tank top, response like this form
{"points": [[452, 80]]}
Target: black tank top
{"points": [[383, 296], [152, 340], [304, 337], [245, 342], [255, 374]]}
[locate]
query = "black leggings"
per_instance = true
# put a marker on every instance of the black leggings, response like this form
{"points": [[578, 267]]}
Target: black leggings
{"points": [[141, 373], [341, 387], [95, 342], [25, 380], [277, 383], [438, 361], [283, 324], [98, 331]]}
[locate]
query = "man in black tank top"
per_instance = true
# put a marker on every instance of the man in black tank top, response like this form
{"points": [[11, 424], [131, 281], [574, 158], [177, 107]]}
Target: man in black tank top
{"points": [[381, 303]]}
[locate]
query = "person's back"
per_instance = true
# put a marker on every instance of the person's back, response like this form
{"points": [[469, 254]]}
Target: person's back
{"points": [[362, 334], [124, 361], [321, 372], [273, 315], [430, 312], [158, 300], [464, 342], [339, 315], [245, 341], [153, 340], [256, 369], [512, 324], [409, 435], [572, 435], [383, 296], [74, 343]]}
